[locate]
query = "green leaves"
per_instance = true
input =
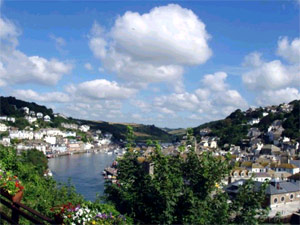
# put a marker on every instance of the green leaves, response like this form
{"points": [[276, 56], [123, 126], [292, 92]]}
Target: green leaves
{"points": [[184, 189]]}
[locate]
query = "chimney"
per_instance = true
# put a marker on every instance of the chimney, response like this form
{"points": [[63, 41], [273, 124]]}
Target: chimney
{"points": [[277, 186]]}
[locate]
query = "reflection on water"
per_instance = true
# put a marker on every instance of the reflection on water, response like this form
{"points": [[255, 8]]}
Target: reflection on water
{"points": [[85, 171]]}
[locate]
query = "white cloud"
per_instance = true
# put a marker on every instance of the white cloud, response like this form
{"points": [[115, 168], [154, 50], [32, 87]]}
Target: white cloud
{"points": [[289, 51], [100, 89], [19, 68], [274, 82], [8, 32], [274, 97], [88, 66], [152, 47], [31, 95], [231, 98], [177, 101], [263, 75], [16, 67], [213, 98], [215, 81]]}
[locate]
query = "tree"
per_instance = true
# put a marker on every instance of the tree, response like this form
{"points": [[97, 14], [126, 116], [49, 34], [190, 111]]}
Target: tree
{"points": [[183, 189]]}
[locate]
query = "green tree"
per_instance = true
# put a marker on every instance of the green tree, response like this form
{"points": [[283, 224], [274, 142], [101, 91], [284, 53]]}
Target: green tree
{"points": [[183, 189]]}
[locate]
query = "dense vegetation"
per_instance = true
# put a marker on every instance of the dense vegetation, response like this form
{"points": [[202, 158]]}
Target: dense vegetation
{"points": [[42, 193], [182, 189], [9, 106]]}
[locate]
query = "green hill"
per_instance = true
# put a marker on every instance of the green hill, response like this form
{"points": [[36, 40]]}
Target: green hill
{"points": [[234, 128], [10, 106]]}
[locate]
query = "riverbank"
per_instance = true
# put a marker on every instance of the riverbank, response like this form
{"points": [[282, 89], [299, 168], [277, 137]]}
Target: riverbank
{"points": [[109, 149]]}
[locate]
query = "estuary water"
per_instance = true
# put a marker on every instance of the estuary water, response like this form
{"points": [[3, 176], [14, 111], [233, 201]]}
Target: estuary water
{"points": [[85, 171]]}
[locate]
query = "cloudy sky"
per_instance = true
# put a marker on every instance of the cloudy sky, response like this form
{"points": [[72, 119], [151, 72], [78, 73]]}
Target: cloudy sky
{"points": [[172, 64]]}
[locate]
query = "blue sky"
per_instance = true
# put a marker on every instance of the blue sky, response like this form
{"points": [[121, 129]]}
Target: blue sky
{"points": [[172, 64]]}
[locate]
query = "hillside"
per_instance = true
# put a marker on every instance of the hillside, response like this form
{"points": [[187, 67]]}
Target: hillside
{"points": [[235, 127], [10, 106]]}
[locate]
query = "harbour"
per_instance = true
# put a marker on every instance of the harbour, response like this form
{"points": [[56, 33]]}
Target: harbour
{"points": [[83, 170]]}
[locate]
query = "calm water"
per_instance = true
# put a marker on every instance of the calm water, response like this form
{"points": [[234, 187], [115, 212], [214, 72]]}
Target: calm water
{"points": [[85, 171]]}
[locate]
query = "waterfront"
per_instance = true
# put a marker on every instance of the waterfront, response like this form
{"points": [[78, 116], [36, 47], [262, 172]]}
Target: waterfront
{"points": [[85, 171]]}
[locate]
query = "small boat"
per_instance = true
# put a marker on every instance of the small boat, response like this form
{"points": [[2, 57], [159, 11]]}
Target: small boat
{"points": [[109, 153]]}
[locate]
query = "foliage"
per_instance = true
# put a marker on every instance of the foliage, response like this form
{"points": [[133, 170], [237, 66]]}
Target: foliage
{"points": [[40, 193], [10, 106], [292, 122], [21, 123], [248, 205], [184, 189], [36, 158]]}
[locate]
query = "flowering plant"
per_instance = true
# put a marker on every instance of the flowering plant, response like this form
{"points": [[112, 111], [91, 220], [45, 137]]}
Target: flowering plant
{"points": [[107, 219], [83, 214], [10, 183]]}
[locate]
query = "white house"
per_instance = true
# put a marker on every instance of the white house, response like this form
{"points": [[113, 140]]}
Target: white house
{"points": [[59, 148], [254, 121], [21, 134], [69, 134], [39, 115], [261, 177], [50, 139], [88, 146], [3, 118], [5, 141], [265, 114], [32, 113], [104, 141], [213, 144], [3, 127], [54, 132], [30, 119], [287, 167], [47, 118], [11, 119], [84, 128], [25, 110]]}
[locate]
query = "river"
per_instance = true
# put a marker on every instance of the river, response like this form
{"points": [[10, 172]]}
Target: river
{"points": [[85, 171]]}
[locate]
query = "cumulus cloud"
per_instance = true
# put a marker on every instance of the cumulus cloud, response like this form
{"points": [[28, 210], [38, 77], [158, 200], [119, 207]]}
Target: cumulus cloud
{"points": [[17, 67], [100, 89], [215, 82], [30, 95], [274, 97], [274, 81], [263, 75], [152, 47], [212, 100], [289, 51]]}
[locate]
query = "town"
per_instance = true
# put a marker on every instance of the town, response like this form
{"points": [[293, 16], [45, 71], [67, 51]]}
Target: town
{"points": [[263, 155], [71, 138]]}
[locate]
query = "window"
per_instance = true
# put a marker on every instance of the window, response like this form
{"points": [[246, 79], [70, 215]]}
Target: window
{"points": [[291, 196], [282, 199], [275, 200]]}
